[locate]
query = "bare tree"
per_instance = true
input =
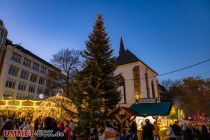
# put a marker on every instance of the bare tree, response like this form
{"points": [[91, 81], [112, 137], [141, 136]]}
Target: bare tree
{"points": [[167, 83], [69, 63]]}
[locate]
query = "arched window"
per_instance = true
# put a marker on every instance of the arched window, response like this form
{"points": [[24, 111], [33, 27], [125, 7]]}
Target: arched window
{"points": [[121, 88], [137, 84], [153, 89], [121, 81]]}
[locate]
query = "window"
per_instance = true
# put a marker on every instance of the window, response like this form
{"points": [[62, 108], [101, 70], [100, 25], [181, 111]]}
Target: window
{"points": [[10, 83], [33, 78], [24, 74], [27, 62], [40, 90], [22, 86], [13, 70], [41, 80], [153, 89], [43, 70], [31, 88], [49, 72], [16, 57], [147, 84], [36, 66], [137, 84], [121, 89]]}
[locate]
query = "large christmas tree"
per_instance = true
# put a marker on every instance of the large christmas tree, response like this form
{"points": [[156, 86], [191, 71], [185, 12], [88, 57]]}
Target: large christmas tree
{"points": [[95, 90]]}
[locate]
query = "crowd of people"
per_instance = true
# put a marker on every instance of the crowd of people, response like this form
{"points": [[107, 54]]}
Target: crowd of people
{"points": [[177, 131], [58, 130], [111, 130], [189, 131]]}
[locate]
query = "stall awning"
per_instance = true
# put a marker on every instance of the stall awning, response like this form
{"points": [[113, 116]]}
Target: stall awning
{"points": [[147, 109]]}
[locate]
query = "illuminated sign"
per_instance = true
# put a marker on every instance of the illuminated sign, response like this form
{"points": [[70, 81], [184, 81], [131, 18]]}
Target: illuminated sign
{"points": [[147, 100]]}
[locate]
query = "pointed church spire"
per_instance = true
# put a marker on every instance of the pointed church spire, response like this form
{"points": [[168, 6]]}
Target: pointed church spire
{"points": [[122, 49]]}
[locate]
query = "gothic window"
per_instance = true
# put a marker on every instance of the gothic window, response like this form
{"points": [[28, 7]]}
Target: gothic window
{"points": [[137, 85], [147, 85], [121, 89], [153, 89]]}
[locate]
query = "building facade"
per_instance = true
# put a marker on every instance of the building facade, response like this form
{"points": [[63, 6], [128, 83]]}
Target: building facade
{"points": [[3, 37], [137, 80], [25, 75]]}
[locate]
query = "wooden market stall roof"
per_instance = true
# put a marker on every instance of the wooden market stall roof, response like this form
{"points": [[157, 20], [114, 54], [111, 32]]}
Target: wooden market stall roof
{"points": [[150, 109], [122, 110], [144, 109]]}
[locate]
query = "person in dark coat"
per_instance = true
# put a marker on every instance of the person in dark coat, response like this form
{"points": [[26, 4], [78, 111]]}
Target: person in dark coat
{"points": [[205, 135], [147, 133], [188, 134], [7, 126], [177, 130], [132, 133]]}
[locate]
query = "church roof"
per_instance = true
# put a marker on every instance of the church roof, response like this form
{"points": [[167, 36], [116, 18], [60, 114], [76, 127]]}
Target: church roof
{"points": [[126, 57]]}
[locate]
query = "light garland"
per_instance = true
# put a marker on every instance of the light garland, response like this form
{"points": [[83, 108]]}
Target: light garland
{"points": [[58, 107]]}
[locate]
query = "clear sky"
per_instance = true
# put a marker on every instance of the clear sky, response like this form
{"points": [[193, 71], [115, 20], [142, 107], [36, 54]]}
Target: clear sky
{"points": [[165, 34]]}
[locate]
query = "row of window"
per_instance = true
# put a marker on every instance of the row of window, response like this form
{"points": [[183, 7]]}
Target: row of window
{"points": [[25, 75], [26, 62], [10, 83]]}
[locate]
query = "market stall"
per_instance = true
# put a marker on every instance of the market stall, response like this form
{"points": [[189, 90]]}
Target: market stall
{"points": [[153, 112], [18, 108], [58, 107], [123, 116]]}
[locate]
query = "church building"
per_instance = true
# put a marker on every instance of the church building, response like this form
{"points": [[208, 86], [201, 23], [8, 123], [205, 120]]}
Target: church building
{"points": [[137, 79]]}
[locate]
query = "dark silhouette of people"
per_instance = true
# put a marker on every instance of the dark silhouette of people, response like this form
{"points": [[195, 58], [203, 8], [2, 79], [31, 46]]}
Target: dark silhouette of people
{"points": [[147, 133], [7, 126]]}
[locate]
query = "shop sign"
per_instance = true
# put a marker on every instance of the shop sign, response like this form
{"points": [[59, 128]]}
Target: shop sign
{"points": [[147, 100]]}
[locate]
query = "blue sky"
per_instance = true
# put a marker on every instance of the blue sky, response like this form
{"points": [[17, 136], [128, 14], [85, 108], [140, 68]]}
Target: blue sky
{"points": [[165, 34]]}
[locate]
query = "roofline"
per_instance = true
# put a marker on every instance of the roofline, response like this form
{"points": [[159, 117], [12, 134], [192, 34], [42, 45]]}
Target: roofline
{"points": [[22, 49], [142, 63]]}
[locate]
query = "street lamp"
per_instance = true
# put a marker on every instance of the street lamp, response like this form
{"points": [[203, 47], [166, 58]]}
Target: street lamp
{"points": [[41, 96]]}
